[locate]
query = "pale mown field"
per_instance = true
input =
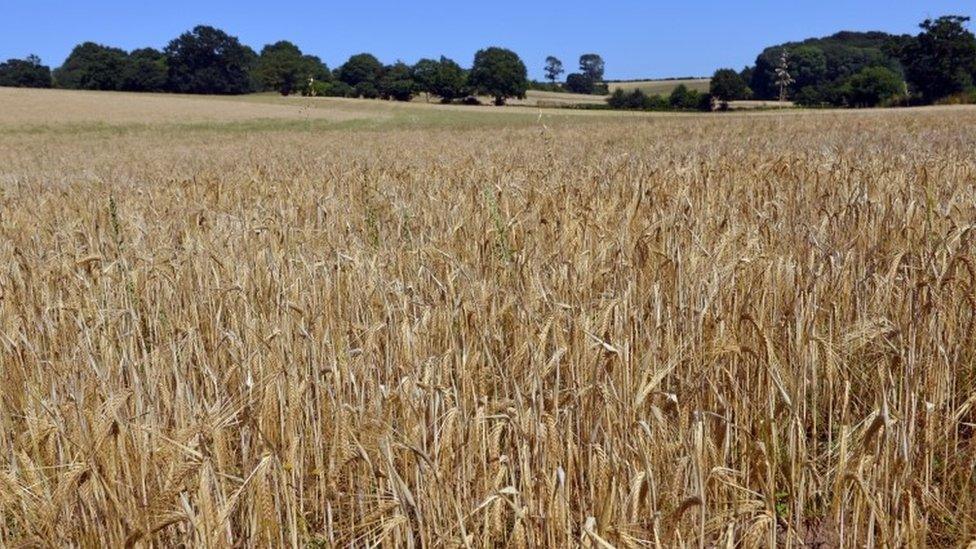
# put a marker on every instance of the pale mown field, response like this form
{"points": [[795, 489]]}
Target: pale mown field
{"points": [[424, 326], [537, 98], [661, 87]]}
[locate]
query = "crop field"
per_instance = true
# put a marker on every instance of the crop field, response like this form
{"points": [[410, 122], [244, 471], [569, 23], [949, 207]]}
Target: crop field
{"points": [[537, 98], [265, 322], [661, 87]]}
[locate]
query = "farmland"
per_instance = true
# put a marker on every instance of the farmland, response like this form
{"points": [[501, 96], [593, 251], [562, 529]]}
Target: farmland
{"points": [[661, 87], [269, 321]]}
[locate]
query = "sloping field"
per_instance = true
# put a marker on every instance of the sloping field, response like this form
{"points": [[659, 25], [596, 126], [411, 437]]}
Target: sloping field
{"points": [[507, 330], [661, 87], [556, 99], [39, 107], [54, 110]]}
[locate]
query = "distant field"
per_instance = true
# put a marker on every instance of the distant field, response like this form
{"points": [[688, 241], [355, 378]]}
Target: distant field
{"points": [[760, 104], [31, 106], [535, 98], [661, 87], [281, 322], [37, 110], [555, 99]]}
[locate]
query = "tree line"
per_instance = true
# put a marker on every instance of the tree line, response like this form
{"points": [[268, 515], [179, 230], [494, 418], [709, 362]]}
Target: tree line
{"points": [[680, 99], [206, 60], [862, 69], [849, 69], [588, 80]]}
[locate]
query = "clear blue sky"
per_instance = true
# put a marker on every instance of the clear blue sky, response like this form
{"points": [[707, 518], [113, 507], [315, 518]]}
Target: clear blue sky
{"points": [[636, 38]]}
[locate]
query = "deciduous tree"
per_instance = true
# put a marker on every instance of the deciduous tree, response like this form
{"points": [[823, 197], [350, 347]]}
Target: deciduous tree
{"points": [[146, 70], [397, 82], [92, 66], [283, 68], [450, 82], [25, 73], [579, 83], [500, 73], [208, 60], [592, 66], [362, 67], [941, 60], [554, 67], [727, 85]]}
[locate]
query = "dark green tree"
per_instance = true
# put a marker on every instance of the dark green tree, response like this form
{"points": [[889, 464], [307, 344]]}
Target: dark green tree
{"points": [[941, 60], [873, 86], [820, 62], [145, 70], [681, 97], [811, 96], [208, 60], [397, 82], [316, 68], [746, 75], [328, 88], [592, 65], [91, 66], [341, 89], [283, 68], [579, 83], [361, 68], [450, 82], [554, 67], [424, 74], [635, 100], [684, 99], [727, 85], [366, 90], [618, 99], [500, 73], [808, 66], [25, 73]]}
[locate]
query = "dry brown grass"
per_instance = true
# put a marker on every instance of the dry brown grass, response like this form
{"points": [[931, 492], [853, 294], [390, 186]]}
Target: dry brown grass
{"points": [[665, 331]]}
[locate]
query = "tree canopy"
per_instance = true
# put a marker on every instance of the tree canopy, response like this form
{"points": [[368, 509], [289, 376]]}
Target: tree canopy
{"points": [[820, 63], [872, 87], [146, 70], [362, 67], [424, 74], [579, 83], [450, 81], [397, 82], [592, 65], [92, 66], [553, 68], [941, 60], [25, 73], [500, 73], [208, 60], [681, 99], [283, 68], [727, 85]]}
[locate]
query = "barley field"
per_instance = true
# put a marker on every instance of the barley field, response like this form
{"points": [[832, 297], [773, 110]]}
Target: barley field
{"points": [[446, 327]]}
